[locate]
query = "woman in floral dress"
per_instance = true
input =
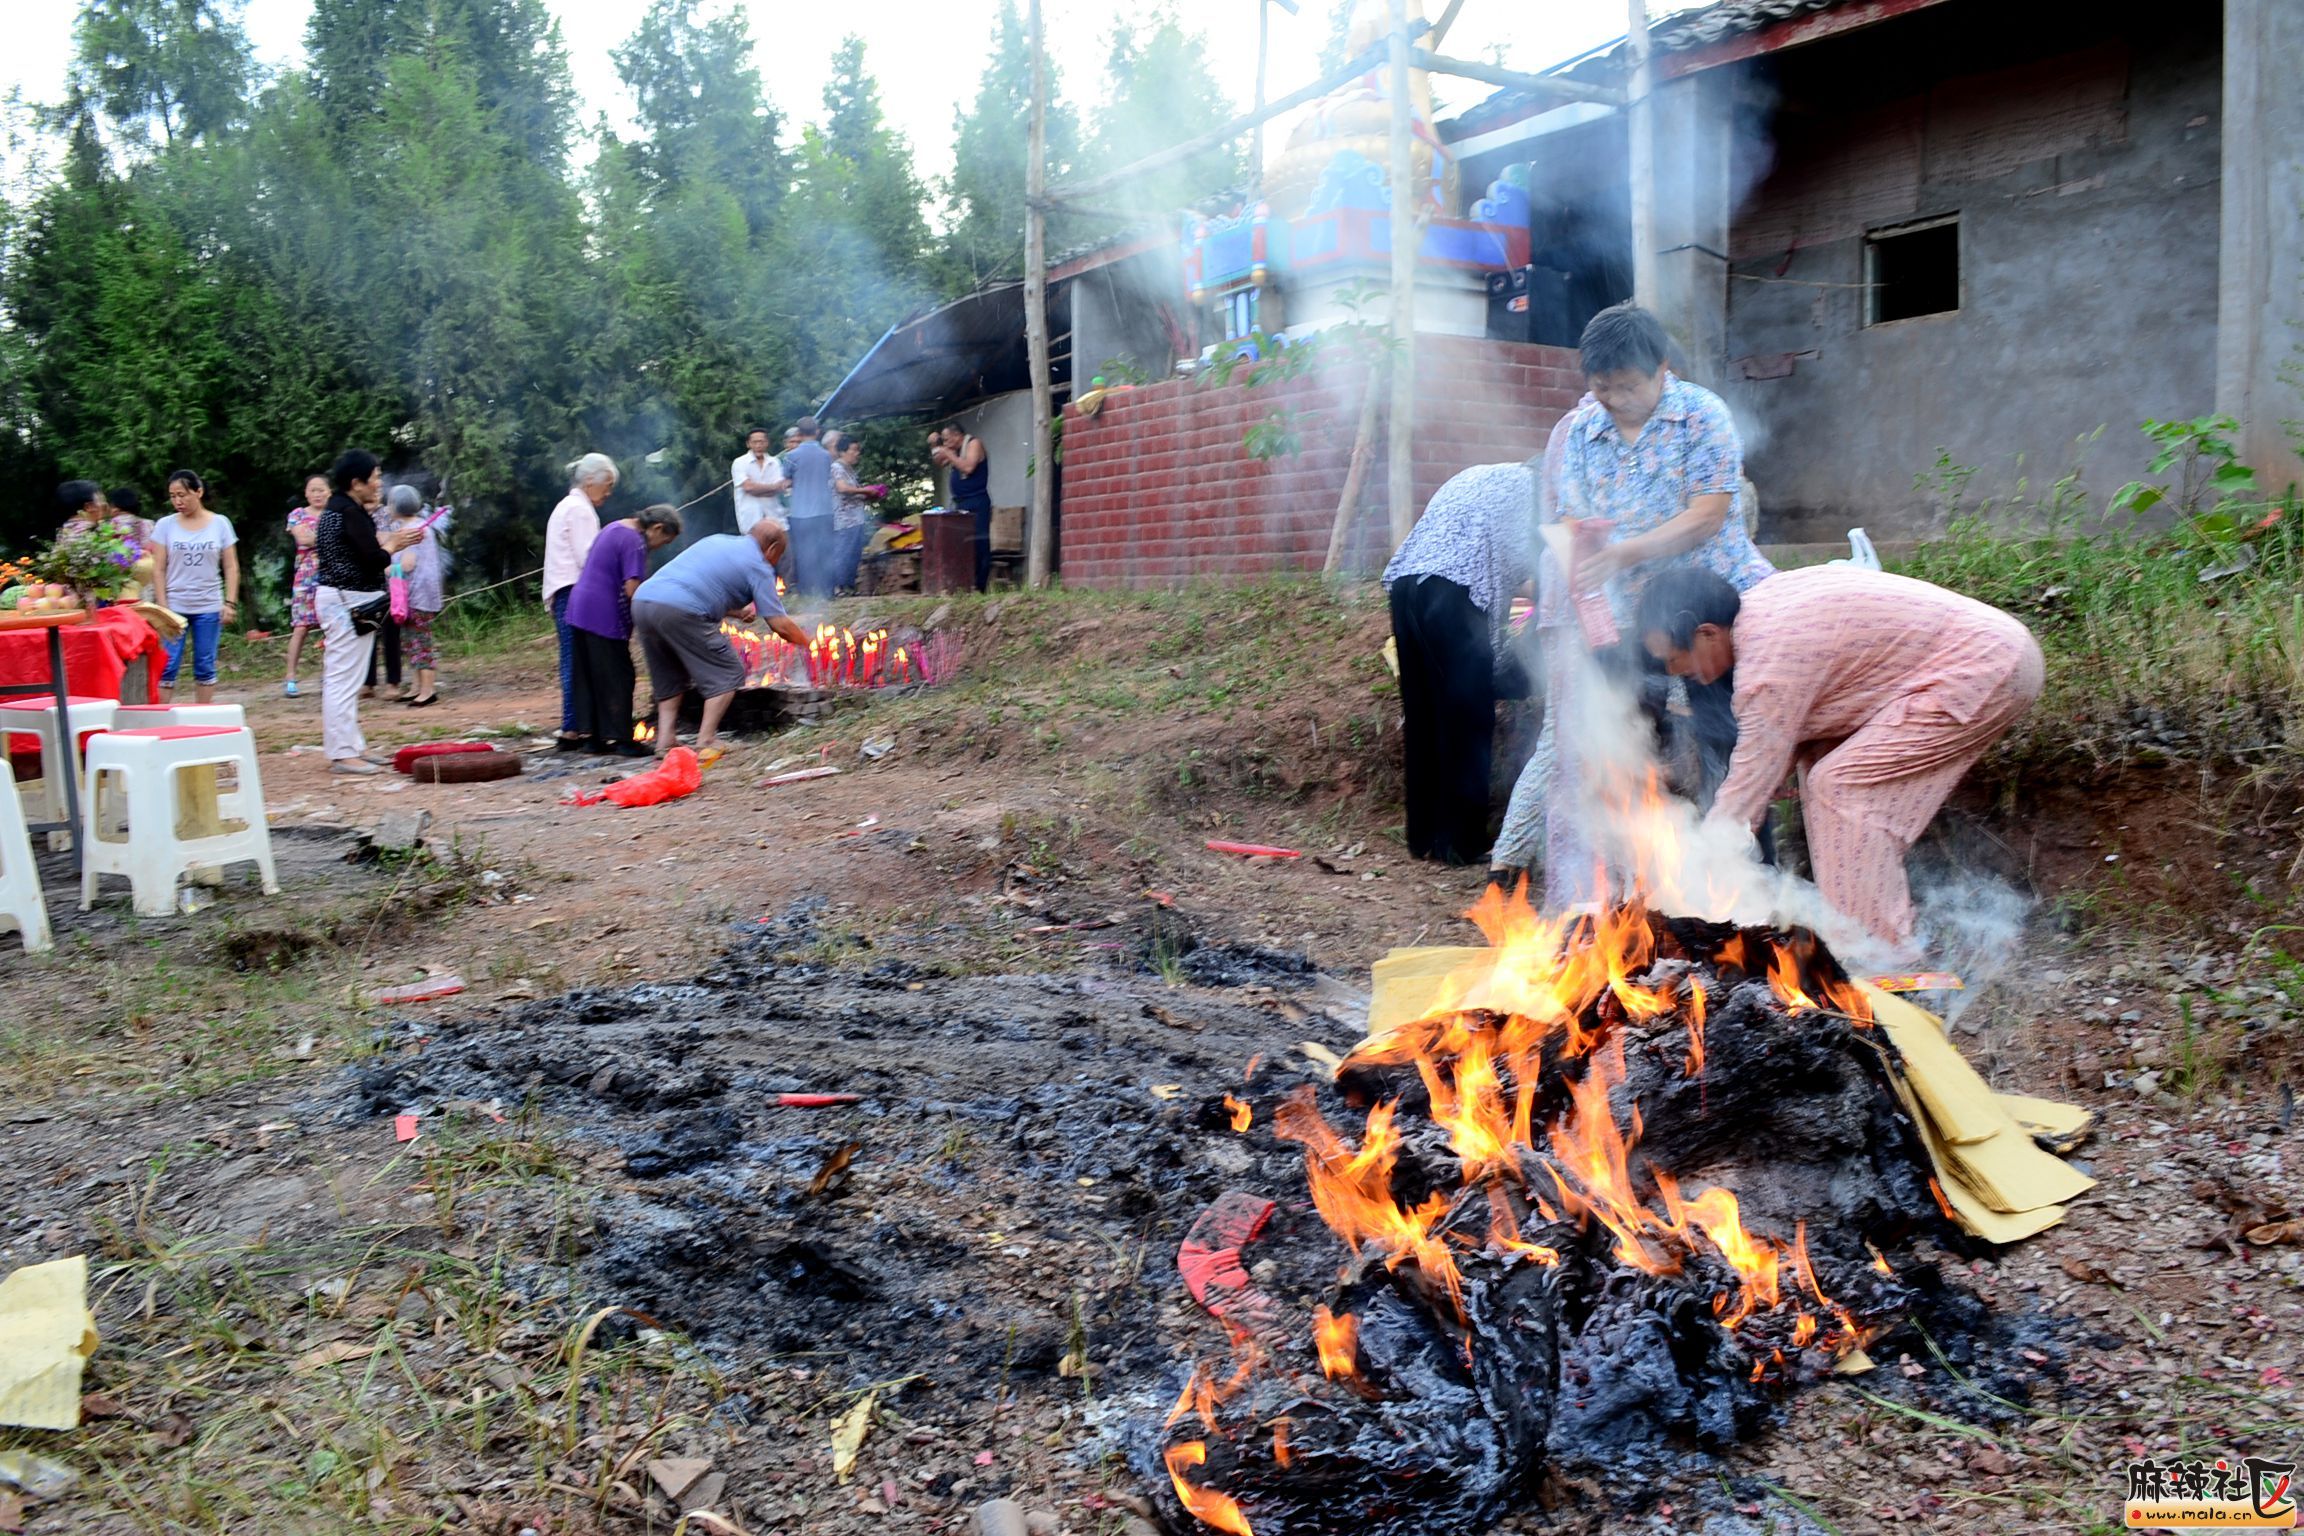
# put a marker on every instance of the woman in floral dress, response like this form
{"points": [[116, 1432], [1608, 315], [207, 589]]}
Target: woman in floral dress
{"points": [[303, 617]]}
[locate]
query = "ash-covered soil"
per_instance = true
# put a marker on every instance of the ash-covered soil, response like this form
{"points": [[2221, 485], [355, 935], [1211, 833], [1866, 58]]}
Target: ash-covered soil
{"points": [[993, 1223]]}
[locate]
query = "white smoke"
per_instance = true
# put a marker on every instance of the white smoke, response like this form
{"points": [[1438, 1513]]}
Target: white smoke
{"points": [[1971, 924], [1656, 844]]}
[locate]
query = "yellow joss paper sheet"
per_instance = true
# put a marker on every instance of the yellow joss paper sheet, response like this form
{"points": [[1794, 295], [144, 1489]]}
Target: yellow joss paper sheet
{"points": [[46, 1336]]}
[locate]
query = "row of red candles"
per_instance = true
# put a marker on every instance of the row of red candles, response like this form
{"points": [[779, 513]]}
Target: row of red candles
{"points": [[834, 658]]}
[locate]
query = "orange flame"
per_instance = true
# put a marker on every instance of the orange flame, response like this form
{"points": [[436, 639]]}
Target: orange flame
{"points": [[1209, 1507], [1242, 1115], [1280, 1451], [1695, 1029], [1754, 1259], [1338, 1340], [1784, 981], [1352, 1190]]}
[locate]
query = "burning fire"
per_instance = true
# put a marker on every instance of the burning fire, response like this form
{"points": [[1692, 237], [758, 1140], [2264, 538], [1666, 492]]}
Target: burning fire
{"points": [[837, 657], [1211, 1508], [644, 731], [1549, 1010], [1338, 1341]]}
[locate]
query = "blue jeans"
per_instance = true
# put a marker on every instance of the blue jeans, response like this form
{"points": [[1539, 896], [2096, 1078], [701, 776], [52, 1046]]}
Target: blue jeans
{"points": [[567, 660], [202, 630]]}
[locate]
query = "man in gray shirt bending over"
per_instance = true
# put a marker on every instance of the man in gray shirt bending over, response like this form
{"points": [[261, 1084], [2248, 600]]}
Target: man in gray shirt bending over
{"points": [[677, 614]]}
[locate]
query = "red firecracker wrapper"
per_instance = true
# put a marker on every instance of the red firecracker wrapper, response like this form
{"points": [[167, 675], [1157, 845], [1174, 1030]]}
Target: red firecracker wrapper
{"points": [[1588, 536]]}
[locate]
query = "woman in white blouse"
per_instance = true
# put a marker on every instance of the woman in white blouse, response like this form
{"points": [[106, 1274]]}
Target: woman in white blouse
{"points": [[568, 539]]}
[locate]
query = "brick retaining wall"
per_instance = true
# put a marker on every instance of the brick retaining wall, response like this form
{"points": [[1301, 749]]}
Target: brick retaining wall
{"points": [[1159, 488]]}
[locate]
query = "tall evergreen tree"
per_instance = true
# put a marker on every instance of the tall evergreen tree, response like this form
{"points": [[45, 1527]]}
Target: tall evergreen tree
{"points": [[986, 189], [1161, 93], [688, 347], [882, 197], [178, 66]]}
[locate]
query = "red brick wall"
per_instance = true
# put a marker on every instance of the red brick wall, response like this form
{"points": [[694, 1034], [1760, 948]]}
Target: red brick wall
{"points": [[1159, 488]]}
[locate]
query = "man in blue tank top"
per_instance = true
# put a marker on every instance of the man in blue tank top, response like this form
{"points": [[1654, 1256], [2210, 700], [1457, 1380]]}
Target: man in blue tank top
{"points": [[971, 491]]}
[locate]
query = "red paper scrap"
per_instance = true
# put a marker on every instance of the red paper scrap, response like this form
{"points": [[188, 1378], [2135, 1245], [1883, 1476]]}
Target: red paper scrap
{"points": [[816, 1100], [403, 1127], [1209, 1259], [420, 992], [1253, 850]]}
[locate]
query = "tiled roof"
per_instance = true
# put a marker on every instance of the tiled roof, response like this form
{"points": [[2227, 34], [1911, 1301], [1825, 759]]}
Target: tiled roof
{"points": [[1729, 18]]}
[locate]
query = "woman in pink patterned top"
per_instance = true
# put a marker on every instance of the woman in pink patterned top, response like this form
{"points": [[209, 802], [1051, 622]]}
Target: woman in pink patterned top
{"points": [[304, 530], [1888, 688]]}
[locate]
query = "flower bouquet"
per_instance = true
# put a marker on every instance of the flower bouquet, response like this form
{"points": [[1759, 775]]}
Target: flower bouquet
{"points": [[102, 562]]}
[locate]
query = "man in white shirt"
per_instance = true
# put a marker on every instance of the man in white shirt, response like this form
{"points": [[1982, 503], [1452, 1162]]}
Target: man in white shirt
{"points": [[758, 479]]}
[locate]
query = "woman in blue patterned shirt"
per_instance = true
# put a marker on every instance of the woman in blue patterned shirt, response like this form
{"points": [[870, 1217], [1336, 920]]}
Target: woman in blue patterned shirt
{"points": [[1659, 458]]}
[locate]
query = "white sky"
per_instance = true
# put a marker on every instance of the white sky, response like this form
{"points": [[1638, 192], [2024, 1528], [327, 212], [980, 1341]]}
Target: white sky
{"points": [[926, 54]]}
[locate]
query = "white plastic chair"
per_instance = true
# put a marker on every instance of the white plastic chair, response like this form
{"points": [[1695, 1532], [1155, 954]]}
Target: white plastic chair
{"points": [[139, 717], [37, 717], [170, 829], [21, 904], [142, 717]]}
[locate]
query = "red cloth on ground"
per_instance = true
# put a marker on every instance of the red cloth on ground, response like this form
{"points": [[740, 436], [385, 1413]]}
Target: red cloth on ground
{"points": [[404, 760], [96, 655]]}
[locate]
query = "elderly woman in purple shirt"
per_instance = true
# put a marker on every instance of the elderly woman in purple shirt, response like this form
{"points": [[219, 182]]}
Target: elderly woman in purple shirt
{"points": [[600, 624]]}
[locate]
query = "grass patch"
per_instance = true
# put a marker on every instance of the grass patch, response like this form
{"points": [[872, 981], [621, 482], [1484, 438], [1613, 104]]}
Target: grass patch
{"points": [[2146, 661], [356, 1377]]}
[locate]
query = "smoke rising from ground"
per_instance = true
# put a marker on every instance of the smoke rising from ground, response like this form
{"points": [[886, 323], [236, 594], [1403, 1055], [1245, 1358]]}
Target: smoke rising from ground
{"points": [[1657, 843]]}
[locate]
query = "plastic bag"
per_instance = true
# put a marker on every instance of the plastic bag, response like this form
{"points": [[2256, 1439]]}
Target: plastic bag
{"points": [[677, 775], [396, 583], [1861, 554]]}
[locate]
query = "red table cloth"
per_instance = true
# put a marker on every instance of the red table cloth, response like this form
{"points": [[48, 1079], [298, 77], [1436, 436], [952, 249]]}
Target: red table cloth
{"points": [[96, 655]]}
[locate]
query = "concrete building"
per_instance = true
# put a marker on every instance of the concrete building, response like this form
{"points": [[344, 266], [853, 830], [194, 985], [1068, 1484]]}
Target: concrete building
{"points": [[1889, 230]]}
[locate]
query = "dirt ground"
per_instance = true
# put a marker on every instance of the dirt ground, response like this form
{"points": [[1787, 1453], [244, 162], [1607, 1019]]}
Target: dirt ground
{"points": [[1000, 930]]}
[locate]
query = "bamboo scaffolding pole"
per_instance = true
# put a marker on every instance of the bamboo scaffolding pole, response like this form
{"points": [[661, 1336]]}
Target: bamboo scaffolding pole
{"points": [[1039, 542]]}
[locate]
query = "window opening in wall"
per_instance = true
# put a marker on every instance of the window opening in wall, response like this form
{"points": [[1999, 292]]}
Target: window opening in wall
{"points": [[1912, 269], [1238, 313]]}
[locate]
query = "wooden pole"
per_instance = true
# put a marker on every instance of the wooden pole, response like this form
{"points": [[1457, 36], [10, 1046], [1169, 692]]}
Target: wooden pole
{"points": [[1363, 440], [1642, 135], [1400, 480], [1447, 20], [1516, 80], [1040, 540], [1086, 191]]}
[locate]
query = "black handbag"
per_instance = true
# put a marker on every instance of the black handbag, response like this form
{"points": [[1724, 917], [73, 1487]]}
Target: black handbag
{"points": [[369, 617]]}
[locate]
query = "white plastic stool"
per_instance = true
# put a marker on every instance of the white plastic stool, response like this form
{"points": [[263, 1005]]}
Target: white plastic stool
{"points": [[139, 717], [169, 831], [21, 903], [37, 717]]}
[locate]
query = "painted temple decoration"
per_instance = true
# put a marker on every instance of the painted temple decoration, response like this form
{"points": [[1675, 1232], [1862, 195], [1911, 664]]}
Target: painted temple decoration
{"points": [[1324, 225]]}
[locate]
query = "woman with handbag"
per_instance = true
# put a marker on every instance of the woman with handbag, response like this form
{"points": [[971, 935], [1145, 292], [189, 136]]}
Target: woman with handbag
{"points": [[351, 601]]}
